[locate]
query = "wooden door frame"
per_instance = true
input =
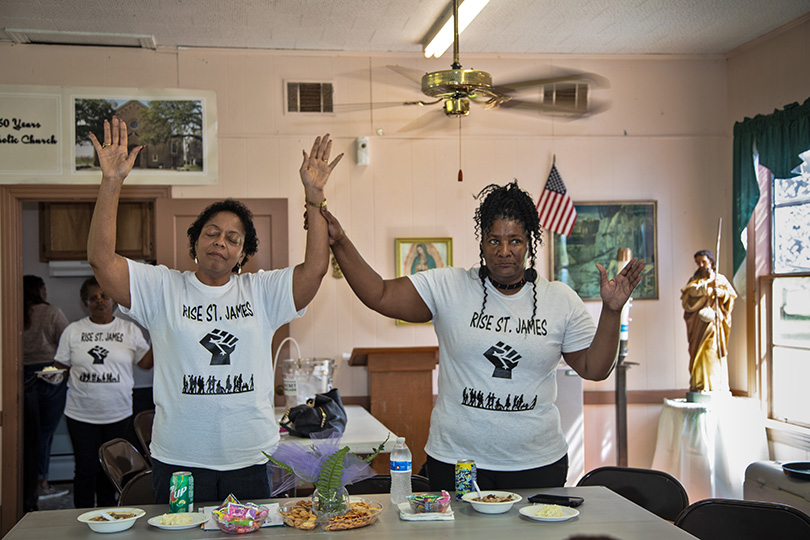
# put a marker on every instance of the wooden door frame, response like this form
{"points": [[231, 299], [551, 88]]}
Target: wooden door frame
{"points": [[11, 252]]}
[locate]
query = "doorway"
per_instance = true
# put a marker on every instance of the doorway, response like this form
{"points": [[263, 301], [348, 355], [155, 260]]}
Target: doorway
{"points": [[11, 256]]}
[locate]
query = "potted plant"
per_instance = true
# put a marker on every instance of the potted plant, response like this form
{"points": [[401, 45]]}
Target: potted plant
{"points": [[329, 468]]}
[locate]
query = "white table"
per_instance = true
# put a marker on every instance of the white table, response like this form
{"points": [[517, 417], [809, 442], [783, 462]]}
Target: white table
{"points": [[707, 446], [363, 434], [603, 513]]}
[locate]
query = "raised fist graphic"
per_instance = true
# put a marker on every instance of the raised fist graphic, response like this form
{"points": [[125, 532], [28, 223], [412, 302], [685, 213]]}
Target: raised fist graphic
{"points": [[504, 358], [220, 344], [99, 354]]}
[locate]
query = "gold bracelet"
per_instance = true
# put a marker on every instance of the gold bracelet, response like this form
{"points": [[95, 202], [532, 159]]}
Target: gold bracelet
{"points": [[316, 205]]}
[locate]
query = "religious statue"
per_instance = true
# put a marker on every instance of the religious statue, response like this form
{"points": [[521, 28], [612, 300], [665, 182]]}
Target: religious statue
{"points": [[707, 301]]}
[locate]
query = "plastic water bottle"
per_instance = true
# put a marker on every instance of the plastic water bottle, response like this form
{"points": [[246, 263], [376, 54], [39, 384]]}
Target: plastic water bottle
{"points": [[400, 472]]}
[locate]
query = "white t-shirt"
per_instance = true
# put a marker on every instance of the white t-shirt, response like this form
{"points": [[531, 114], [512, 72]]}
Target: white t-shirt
{"points": [[101, 358], [213, 380], [497, 381]]}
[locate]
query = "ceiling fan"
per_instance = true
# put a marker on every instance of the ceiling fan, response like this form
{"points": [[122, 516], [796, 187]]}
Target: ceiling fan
{"points": [[566, 93]]}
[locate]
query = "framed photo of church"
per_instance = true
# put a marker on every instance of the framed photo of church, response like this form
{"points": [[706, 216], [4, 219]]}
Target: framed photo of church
{"points": [[601, 230]]}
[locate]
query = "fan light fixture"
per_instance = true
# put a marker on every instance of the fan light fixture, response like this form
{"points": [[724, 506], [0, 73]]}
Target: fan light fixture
{"points": [[441, 41]]}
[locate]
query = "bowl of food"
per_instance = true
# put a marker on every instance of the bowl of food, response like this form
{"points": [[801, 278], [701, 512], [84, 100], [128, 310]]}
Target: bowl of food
{"points": [[298, 514], [492, 502], [110, 520], [237, 518], [362, 512]]}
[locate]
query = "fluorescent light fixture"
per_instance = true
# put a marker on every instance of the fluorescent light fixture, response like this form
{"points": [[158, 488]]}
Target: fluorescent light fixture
{"points": [[100, 39], [467, 11]]}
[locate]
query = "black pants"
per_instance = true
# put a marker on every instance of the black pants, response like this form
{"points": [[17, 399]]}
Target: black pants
{"points": [[90, 484], [212, 486], [443, 476]]}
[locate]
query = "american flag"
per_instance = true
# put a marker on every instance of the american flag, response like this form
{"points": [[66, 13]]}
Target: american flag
{"points": [[556, 211]]}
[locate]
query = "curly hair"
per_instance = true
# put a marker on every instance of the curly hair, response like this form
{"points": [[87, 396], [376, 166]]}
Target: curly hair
{"points": [[511, 203], [251, 244]]}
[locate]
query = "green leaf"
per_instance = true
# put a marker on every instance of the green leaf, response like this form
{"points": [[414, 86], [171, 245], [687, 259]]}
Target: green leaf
{"points": [[277, 463], [377, 450], [331, 472]]}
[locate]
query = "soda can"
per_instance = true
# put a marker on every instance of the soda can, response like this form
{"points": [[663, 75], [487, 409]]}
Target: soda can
{"points": [[181, 492], [466, 474]]}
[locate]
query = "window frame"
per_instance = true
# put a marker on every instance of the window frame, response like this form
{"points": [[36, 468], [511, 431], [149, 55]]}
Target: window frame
{"points": [[760, 279]]}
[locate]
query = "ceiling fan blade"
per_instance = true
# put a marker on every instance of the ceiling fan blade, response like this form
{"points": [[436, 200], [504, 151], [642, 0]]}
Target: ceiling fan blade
{"points": [[592, 79], [409, 73], [424, 121], [552, 109], [352, 107]]}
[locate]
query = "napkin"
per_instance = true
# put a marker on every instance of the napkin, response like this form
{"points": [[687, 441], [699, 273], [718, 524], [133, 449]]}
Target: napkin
{"points": [[406, 514], [273, 518]]}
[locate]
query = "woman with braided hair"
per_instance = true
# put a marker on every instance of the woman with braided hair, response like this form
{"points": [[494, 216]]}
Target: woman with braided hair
{"points": [[501, 330]]}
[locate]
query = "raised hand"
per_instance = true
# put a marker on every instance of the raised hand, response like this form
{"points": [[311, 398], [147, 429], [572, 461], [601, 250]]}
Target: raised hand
{"points": [[617, 291], [115, 160], [315, 169]]}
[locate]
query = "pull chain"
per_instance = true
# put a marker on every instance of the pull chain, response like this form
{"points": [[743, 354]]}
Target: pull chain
{"points": [[460, 174]]}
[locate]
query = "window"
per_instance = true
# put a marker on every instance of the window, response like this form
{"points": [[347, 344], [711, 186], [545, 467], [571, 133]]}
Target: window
{"points": [[787, 289]]}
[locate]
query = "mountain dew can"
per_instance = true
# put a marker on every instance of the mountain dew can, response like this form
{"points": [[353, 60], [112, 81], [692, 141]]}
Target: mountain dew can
{"points": [[466, 474], [181, 492]]}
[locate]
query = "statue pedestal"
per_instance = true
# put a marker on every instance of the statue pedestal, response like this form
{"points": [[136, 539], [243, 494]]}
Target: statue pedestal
{"points": [[708, 445], [706, 397]]}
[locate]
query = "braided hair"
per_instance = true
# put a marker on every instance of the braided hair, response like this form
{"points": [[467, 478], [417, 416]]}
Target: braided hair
{"points": [[511, 203]]}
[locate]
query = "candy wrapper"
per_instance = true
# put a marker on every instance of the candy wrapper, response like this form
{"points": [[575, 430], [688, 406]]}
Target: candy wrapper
{"points": [[233, 516], [426, 503]]}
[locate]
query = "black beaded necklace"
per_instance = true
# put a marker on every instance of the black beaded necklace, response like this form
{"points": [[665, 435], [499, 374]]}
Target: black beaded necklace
{"points": [[504, 287]]}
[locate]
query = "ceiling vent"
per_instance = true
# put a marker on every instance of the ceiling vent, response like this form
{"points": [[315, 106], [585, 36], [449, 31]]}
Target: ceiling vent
{"points": [[308, 97], [96, 39]]}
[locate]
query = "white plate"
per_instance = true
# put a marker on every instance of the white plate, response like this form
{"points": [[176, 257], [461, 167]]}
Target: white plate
{"points": [[531, 512], [49, 372], [197, 519]]}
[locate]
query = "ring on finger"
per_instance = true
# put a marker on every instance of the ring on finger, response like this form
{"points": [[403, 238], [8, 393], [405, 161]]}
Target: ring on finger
{"points": [[105, 145]]}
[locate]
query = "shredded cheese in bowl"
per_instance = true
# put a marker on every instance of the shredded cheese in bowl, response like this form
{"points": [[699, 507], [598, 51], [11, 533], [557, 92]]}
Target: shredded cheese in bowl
{"points": [[180, 518], [549, 511]]}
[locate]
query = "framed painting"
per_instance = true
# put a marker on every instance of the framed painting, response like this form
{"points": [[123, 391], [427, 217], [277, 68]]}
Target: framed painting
{"points": [[601, 229], [416, 254]]}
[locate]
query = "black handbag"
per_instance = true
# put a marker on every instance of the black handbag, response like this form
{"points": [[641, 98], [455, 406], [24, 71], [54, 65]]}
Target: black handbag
{"points": [[322, 412]]}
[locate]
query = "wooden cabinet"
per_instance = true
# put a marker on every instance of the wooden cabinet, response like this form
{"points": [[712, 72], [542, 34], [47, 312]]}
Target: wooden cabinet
{"points": [[64, 226]]}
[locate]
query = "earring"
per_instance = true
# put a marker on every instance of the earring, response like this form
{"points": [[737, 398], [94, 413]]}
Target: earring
{"points": [[530, 275], [239, 267], [195, 260]]}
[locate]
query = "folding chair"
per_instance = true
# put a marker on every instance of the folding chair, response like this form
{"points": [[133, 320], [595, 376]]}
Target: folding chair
{"points": [[138, 490], [143, 429], [657, 491], [734, 519], [121, 461]]}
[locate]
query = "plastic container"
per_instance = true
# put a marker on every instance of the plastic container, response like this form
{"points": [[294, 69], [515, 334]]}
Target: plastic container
{"points": [[401, 465]]}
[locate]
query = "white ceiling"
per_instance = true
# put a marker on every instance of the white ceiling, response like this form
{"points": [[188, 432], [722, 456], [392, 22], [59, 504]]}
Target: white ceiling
{"points": [[504, 26]]}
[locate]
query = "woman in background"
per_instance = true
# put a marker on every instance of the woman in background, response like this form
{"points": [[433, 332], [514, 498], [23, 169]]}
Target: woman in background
{"points": [[44, 402], [100, 352]]}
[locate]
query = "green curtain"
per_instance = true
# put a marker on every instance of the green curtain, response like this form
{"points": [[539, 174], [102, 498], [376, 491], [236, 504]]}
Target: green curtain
{"points": [[780, 138]]}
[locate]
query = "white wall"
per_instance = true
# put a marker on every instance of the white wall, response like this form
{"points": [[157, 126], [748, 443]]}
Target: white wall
{"points": [[666, 137]]}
